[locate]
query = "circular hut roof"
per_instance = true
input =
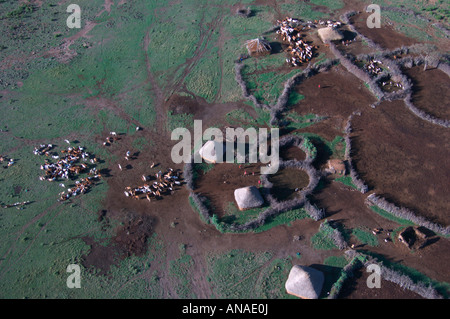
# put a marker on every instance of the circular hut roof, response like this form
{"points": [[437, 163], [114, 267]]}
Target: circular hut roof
{"points": [[212, 151], [258, 46], [304, 282], [330, 34], [248, 197]]}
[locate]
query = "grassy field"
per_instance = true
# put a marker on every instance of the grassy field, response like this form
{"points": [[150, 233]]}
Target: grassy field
{"points": [[364, 236], [238, 274]]}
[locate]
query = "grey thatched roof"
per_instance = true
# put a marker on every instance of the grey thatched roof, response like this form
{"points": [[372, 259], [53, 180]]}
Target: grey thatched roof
{"points": [[258, 45], [330, 34], [304, 282], [248, 197]]}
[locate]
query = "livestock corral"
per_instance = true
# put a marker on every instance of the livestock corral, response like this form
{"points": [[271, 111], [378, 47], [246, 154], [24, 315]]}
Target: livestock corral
{"points": [[88, 175]]}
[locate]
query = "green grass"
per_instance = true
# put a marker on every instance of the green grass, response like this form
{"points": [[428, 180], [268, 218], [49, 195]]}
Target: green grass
{"points": [[331, 149], [182, 120], [321, 240], [266, 86], [303, 11], [20, 11], [179, 272], [294, 98], [331, 4], [365, 237], [204, 79], [344, 275], [232, 214], [285, 218], [240, 118], [346, 180], [297, 121], [391, 217], [335, 261], [272, 280], [238, 274], [310, 148]]}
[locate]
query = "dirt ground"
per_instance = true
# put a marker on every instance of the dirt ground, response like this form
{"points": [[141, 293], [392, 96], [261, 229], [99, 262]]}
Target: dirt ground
{"points": [[431, 92], [411, 170], [218, 185], [356, 288], [286, 181], [386, 36], [339, 95], [292, 153]]}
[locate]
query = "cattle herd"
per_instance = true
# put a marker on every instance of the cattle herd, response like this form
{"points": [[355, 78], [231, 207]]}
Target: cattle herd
{"points": [[373, 67], [162, 184], [299, 50], [69, 165], [74, 161]]}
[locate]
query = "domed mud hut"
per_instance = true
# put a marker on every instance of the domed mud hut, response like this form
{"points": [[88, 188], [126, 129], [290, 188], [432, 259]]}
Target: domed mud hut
{"points": [[304, 282], [329, 34], [248, 197], [336, 166]]}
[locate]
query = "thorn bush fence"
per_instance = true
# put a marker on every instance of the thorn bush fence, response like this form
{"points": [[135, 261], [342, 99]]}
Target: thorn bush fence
{"points": [[405, 213], [357, 259], [276, 207], [360, 185]]}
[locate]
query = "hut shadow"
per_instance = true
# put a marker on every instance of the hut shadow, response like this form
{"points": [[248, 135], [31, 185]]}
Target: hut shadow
{"points": [[276, 47], [331, 275], [429, 241], [348, 35]]}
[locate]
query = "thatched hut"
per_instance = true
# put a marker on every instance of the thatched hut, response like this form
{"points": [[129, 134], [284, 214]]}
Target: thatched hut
{"points": [[212, 152], [304, 282], [248, 197], [258, 46], [336, 166], [329, 34]]}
